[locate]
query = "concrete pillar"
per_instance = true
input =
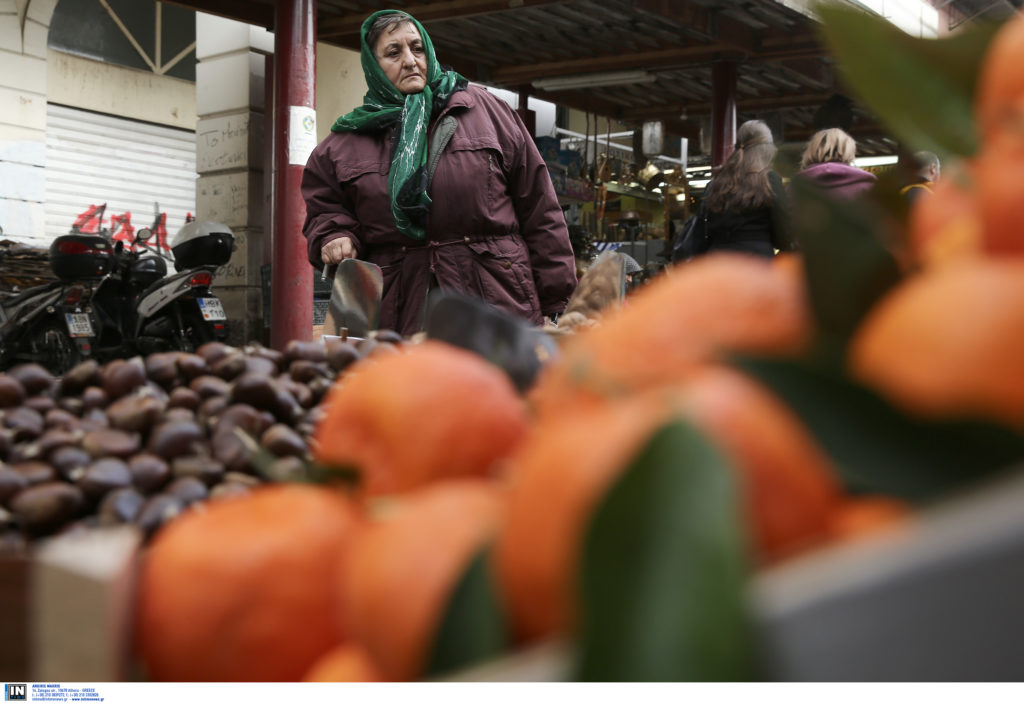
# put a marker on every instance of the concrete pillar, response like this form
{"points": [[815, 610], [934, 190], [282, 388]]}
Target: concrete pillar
{"points": [[230, 104], [723, 110], [24, 26]]}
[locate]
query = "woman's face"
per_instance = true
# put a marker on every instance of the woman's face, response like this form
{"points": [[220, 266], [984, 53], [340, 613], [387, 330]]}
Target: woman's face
{"points": [[401, 56]]}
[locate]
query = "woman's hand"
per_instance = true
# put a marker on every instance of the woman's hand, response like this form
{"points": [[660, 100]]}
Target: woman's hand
{"points": [[337, 249]]}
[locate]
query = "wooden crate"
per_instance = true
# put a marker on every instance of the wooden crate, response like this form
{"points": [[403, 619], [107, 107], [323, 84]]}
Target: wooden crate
{"points": [[14, 622], [67, 610], [935, 600]]}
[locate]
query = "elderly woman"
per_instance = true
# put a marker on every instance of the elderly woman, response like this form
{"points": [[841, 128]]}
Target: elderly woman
{"points": [[440, 184], [827, 163]]}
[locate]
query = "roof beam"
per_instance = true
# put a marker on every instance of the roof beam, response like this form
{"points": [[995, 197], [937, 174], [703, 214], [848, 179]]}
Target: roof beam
{"points": [[815, 72], [742, 105], [338, 29], [649, 60], [517, 75], [712, 24]]}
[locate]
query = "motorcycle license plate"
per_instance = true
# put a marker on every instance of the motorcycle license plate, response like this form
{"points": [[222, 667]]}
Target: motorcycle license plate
{"points": [[211, 309], [79, 324]]}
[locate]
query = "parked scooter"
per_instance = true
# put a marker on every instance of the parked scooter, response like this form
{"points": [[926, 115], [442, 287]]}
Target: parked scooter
{"points": [[144, 310], [53, 324], [135, 268]]}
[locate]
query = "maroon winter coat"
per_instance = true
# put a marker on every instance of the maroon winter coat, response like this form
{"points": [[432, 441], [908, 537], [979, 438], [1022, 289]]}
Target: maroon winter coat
{"points": [[495, 229], [839, 180]]}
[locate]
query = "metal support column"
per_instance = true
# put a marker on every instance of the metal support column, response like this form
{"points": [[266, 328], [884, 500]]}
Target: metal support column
{"points": [[723, 110], [291, 289], [528, 116]]}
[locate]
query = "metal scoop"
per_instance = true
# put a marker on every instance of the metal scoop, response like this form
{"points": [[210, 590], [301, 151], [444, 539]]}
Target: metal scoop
{"points": [[354, 306]]}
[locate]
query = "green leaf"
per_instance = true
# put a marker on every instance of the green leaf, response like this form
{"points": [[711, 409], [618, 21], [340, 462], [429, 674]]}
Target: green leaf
{"points": [[262, 460], [473, 628], [879, 449], [922, 89], [663, 570], [847, 266], [267, 466]]}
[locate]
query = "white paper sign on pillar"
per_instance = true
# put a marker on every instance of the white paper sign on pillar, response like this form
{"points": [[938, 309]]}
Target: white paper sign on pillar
{"points": [[301, 134]]}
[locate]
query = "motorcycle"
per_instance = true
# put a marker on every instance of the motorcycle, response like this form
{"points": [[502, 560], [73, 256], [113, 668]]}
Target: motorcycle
{"points": [[164, 312], [53, 324], [116, 301]]}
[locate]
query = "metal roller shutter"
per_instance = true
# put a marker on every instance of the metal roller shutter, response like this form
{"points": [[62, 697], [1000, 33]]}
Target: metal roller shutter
{"points": [[93, 159]]}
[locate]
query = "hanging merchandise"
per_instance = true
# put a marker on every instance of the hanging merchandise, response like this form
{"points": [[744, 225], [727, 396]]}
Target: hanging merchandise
{"points": [[588, 168], [653, 138], [604, 169], [650, 176]]}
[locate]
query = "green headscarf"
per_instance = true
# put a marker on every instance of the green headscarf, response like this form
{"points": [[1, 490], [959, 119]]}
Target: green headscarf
{"points": [[383, 105]]}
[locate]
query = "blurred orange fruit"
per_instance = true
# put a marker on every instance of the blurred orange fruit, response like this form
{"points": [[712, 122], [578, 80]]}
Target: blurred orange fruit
{"points": [[345, 663], [243, 590], [945, 225], [404, 567], [861, 516], [722, 302], [999, 98], [948, 342], [1000, 195], [430, 412], [789, 484], [792, 260], [565, 466], [557, 477]]}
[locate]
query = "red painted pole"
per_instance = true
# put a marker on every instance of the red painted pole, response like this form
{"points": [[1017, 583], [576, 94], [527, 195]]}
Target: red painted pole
{"points": [[291, 277], [723, 110]]}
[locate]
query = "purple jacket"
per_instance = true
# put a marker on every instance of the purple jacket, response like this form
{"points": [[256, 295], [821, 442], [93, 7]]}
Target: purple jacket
{"points": [[495, 229], [838, 179]]}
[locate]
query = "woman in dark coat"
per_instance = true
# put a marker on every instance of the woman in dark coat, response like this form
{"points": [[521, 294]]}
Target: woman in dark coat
{"points": [[745, 202], [440, 184]]}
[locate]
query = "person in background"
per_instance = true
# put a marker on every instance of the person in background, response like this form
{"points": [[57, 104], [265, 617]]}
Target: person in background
{"points": [[827, 163], [746, 201], [440, 184], [631, 267], [927, 175]]}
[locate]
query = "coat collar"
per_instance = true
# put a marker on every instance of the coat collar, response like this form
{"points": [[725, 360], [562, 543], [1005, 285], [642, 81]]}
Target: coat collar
{"points": [[465, 99]]}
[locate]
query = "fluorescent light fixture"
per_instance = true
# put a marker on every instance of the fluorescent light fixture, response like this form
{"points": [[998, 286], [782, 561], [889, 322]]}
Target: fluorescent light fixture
{"points": [[865, 161], [593, 80]]}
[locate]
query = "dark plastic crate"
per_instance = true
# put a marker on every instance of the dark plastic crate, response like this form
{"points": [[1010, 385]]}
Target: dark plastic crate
{"points": [[212, 250], [76, 257]]}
